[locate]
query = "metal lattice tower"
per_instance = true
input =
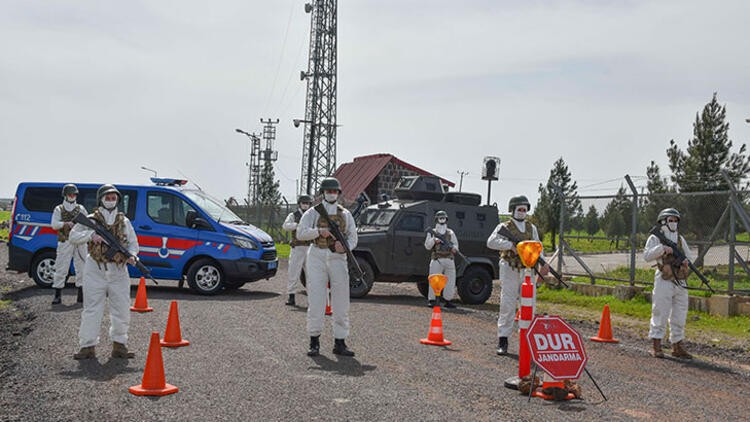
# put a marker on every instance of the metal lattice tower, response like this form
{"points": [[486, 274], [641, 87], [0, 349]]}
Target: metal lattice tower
{"points": [[319, 147], [269, 135], [253, 167]]}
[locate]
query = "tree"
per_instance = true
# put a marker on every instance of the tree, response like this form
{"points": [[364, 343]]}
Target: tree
{"points": [[591, 221], [698, 168], [654, 202], [616, 219], [549, 204], [268, 190]]}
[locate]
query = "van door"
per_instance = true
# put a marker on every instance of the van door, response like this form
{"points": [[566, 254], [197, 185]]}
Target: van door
{"points": [[166, 243], [410, 255]]}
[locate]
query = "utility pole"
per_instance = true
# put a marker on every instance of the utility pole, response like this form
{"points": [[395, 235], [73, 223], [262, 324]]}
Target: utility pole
{"points": [[461, 182], [269, 135], [253, 166]]}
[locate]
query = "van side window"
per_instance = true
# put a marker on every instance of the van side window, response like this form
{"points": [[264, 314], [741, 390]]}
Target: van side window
{"points": [[38, 199], [411, 222], [165, 208]]}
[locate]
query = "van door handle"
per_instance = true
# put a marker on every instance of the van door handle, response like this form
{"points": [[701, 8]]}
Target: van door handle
{"points": [[145, 227]]}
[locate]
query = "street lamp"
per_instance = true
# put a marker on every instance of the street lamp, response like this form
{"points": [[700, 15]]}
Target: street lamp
{"points": [[153, 171]]}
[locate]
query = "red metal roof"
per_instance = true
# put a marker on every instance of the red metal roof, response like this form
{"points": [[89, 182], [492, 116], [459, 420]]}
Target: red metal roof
{"points": [[357, 175]]}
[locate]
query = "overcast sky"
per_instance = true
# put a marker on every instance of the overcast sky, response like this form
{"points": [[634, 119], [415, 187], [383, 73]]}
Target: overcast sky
{"points": [[90, 91]]}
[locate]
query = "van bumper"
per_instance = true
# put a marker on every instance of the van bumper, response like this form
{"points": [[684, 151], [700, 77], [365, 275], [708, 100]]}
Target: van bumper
{"points": [[18, 259], [248, 270]]}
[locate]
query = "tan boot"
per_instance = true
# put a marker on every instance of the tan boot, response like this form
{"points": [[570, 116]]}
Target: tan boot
{"points": [[85, 353], [679, 352], [120, 351], [657, 353]]}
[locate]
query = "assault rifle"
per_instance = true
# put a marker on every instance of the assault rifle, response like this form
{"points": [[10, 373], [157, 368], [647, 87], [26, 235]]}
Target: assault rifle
{"points": [[446, 245], [505, 232], [359, 275], [679, 257], [114, 245]]}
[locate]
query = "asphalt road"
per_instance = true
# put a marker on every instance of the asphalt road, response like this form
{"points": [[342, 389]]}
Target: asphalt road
{"points": [[247, 361]]}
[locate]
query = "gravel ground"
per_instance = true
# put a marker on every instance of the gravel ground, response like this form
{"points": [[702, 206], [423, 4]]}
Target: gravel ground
{"points": [[247, 361]]}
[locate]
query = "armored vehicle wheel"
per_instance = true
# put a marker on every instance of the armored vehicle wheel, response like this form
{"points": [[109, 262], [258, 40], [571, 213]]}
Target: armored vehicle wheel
{"points": [[43, 269], [423, 287], [360, 289], [475, 286], [205, 277]]}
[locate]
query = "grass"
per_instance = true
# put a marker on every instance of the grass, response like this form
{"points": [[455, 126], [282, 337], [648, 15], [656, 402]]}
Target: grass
{"points": [[4, 216], [282, 250], [5, 304], [699, 324]]}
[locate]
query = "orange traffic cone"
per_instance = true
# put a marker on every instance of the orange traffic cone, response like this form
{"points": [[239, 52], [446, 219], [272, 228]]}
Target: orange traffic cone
{"points": [[172, 335], [153, 383], [328, 299], [435, 336], [605, 328], [141, 303], [518, 315]]}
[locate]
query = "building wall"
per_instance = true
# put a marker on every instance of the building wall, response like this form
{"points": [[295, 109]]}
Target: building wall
{"points": [[386, 181]]}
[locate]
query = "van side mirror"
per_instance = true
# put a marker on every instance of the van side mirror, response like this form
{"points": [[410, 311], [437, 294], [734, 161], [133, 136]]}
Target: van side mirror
{"points": [[194, 222]]}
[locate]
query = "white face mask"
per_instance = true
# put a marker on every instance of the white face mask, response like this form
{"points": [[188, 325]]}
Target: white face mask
{"points": [[70, 198], [442, 220], [519, 215], [672, 226], [304, 207], [331, 197], [110, 205]]}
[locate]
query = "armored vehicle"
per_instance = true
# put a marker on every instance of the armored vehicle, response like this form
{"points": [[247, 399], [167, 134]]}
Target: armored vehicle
{"points": [[392, 234]]}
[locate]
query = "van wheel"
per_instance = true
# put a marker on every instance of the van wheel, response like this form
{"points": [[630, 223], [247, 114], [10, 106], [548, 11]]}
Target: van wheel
{"points": [[43, 269], [205, 277], [423, 287], [359, 288], [475, 287]]}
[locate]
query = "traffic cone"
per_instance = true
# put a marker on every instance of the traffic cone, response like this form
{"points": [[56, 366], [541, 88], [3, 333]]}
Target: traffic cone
{"points": [[141, 303], [328, 300], [518, 315], [605, 328], [553, 389], [153, 383], [172, 335], [435, 336]]}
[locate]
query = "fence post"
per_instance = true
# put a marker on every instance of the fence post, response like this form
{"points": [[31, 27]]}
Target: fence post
{"points": [[561, 194], [732, 249], [633, 229]]}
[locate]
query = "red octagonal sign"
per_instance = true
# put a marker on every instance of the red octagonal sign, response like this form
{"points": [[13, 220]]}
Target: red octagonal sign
{"points": [[556, 347]]}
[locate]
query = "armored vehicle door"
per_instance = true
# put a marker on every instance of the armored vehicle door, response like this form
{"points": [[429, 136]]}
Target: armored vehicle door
{"points": [[409, 253]]}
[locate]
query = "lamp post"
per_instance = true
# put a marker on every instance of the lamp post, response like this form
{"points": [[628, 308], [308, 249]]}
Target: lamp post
{"points": [[252, 171], [153, 171]]}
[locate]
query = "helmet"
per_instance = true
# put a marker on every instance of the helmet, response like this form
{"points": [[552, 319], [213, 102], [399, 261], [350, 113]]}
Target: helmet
{"points": [[69, 189], [441, 214], [667, 212], [304, 198], [105, 189], [518, 200], [330, 183]]}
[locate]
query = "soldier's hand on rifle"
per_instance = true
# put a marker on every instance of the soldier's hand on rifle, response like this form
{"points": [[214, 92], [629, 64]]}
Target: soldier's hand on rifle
{"points": [[69, 224], [438, 241], [454, 251], [131, 261], [339, 247], [324, 232], [543, 270], [96, 238], [667, 250]]}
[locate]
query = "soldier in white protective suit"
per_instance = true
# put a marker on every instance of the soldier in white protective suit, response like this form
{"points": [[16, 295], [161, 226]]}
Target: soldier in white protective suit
{"points": [[62, 221], [106, 279], [670, 297], [511, 267], [442, 261], [299, 247], [326, 260]]}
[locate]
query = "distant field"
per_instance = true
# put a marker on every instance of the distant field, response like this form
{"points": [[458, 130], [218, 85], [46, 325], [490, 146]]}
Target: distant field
{"points": [[4, 215]]}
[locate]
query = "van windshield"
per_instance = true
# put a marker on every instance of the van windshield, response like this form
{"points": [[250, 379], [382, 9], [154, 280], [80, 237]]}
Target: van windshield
{"points": [[213, 207]]}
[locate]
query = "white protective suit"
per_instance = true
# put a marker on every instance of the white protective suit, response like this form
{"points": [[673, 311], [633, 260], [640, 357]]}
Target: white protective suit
{"points": [[510, 278], [296, 256], [669, 301], [102, 281], [323, 265], [445, 266], [67, 250]]}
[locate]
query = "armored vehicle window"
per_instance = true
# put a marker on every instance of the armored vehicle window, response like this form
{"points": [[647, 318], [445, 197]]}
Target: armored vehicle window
{"points": [[166, 208], [411, 222], [373, 217]]}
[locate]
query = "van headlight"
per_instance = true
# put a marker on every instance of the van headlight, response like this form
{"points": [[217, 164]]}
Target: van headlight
{"points": [[244, 242]]}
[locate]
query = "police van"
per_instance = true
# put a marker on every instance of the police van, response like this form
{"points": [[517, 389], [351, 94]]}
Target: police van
{"points": [[183, 234]]}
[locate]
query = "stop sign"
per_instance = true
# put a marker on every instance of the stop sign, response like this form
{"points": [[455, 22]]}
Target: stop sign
{"points": [[556, 347]]}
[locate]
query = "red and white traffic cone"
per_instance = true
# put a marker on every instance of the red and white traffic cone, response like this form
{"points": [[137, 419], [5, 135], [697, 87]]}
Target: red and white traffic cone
{"points": [[528, 302]]}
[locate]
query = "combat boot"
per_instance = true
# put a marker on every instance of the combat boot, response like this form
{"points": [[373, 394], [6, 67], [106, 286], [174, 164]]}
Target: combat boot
{"points": [[657, 353], [85, 353], [120, 351], [502, 346], [291, 301], [679, 352], [314, 346], [58, 297], [79, 298], [339, 348]]}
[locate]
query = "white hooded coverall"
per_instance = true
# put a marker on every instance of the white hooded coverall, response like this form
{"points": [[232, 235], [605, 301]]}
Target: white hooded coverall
{"points": [[445, 266], [296, 256], [102, 281], [510, 278], [669, 301], [323, 265], [67, 250]]}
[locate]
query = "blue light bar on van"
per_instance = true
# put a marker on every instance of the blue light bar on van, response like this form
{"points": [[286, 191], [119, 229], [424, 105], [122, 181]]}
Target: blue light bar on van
{"points": [[166, 181]]}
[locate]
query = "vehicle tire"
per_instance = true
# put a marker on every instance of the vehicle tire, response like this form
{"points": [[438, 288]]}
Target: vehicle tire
{"points": [[205, 277], [423, 287], [475, 286], [43, 268], [361, 288]]}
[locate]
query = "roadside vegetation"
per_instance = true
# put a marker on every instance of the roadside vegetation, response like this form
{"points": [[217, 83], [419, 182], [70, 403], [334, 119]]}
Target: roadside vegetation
{"points": [[4, 216]]}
